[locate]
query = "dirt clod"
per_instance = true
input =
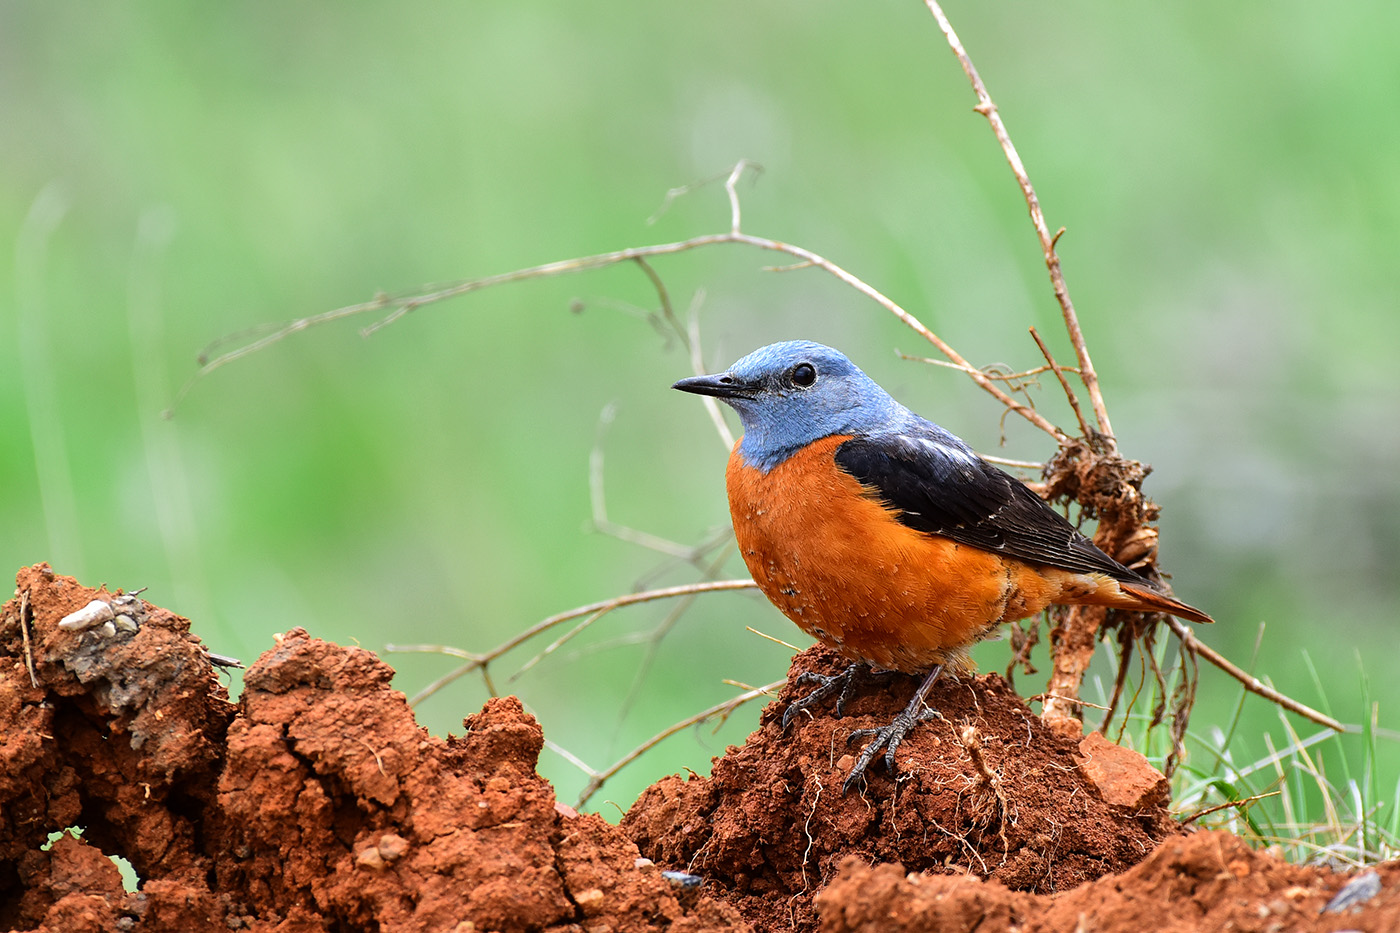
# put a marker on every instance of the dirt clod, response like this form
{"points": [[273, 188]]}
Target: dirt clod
{"points": [[1123, 777], [317, 804], [985, 789]]}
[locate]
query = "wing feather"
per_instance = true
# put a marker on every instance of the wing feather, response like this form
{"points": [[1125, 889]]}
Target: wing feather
{"points": [[942, 488]]}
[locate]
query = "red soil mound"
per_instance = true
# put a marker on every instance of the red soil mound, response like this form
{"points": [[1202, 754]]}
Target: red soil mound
{"points": [[987, 788], [316, 803]]}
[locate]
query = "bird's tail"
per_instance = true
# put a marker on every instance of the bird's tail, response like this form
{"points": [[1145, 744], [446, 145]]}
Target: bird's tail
{"points": [[1152, 601]]}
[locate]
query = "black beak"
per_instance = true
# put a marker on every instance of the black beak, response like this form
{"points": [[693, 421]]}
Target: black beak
{"points": [[720, 385]]}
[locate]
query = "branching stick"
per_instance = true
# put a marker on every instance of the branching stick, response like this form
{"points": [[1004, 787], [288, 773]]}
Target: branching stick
{"points": [[597, 778], [988, 108], [1247, 680], [405, 304], [594, 610]]}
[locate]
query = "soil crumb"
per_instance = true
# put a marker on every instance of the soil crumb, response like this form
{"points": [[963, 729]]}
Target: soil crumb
{"points": [[316, 803]]}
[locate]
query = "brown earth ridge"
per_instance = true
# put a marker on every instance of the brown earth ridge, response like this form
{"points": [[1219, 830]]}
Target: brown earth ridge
{"points": [[316, 803]]}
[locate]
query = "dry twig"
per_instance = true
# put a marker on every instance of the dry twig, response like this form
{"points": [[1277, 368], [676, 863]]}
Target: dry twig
{"points": [[1075, 636], [1243, 802], [402, 305], [594, 611], [1064, 384], [722, 710], [1250, 682], [24, 633], [988, 109]]}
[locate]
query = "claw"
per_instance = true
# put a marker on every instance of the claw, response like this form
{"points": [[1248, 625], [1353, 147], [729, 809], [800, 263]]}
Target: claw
{"points": [[891, 736], [842, 684]]}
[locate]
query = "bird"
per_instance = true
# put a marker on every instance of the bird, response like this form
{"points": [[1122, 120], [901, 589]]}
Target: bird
{"points": [[886, 537]]}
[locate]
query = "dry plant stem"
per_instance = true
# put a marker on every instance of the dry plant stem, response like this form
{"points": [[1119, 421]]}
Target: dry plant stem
{"points": [[24, 633], [697, 366], [1125, 654], [1072, 641], [1041, 697], [660, 631], [597, 778], [405, 304], [988, 109], [667, 311], [690, 338], [598, 502], [1017, 464], [598, 609], [1064, 383], [989, 372], [1182, 700], [1250, 683], [1227, 805]]}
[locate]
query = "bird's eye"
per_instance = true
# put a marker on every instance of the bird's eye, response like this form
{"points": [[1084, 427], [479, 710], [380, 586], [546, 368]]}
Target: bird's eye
{"points": [[803, 375]]}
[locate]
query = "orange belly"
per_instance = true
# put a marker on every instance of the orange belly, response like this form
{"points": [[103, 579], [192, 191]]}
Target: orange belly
{"points": [[836, 562]]}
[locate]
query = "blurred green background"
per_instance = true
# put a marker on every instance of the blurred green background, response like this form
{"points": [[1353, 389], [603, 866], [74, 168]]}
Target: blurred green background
{"points": [[173, 173]]}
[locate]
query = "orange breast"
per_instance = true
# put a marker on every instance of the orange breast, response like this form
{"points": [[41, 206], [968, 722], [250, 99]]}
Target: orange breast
{"points": [[837, 563]]}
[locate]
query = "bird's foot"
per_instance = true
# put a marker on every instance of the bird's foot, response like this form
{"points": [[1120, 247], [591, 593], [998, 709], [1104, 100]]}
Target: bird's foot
{"points": [[842, 684], [891, 736], [887, 737]]}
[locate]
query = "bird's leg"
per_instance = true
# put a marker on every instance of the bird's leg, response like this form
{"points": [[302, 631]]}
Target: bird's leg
{"points": [[889, 737], [842, 684]]}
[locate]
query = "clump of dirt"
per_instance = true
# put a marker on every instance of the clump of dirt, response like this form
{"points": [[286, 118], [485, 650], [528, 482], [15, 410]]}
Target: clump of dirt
{"points": [[317, 804], [985, 789], [1201, 882], [314, 804], [121, 736]]}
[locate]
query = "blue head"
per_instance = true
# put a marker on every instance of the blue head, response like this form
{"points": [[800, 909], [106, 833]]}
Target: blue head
{"points": [[793, 393]]}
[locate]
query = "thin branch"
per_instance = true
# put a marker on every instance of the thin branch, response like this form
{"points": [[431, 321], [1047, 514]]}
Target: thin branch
{"points": [[1251, 683], [660, 631], [774, 639], [1018, 464], [989, 371], [988, 109], [1064, 383], [674, 194], [1042, 697], [1125, 654], [596, 779], [599, 503], [559, 643], [664, 297], [697, 366], [24, 632], [481, 661], [1227, 805], [731, 188], [407, 303]]}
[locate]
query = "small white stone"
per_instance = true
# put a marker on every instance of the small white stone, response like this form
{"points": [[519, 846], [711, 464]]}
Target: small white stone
{"points": [[94, 613]]}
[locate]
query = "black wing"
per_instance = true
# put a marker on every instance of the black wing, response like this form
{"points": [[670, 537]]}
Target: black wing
{"points": [[943, 490]]}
